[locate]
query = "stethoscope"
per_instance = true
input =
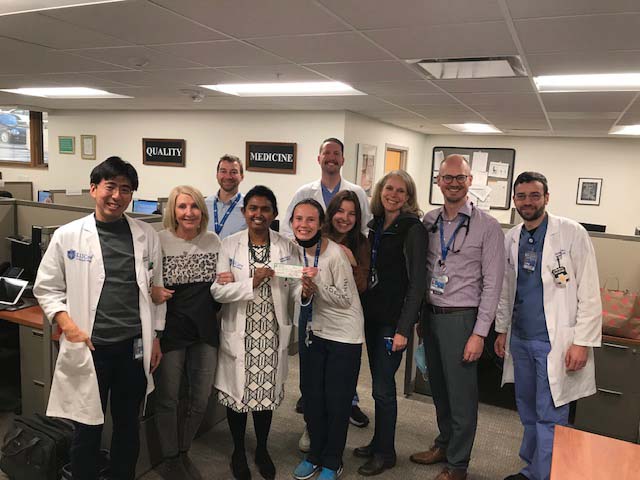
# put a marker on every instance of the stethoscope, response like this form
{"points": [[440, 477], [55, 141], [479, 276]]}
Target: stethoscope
{"points": [[451, 245]]}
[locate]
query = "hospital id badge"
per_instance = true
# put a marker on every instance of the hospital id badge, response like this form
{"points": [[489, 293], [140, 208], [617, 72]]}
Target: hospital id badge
{"points": [[137, 349], [438, 282], [530, 261], [560, 276], [373, 278]]}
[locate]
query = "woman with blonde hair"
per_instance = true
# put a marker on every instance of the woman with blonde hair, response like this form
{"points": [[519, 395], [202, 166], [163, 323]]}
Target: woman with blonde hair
{"points": [[190, 339], [391, 304]]}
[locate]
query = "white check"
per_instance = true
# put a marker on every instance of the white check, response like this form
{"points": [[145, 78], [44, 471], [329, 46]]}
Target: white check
{"points": [[288, 271]]}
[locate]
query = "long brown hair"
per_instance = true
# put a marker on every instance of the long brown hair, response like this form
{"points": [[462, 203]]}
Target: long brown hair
{"points": [[355, 238]]}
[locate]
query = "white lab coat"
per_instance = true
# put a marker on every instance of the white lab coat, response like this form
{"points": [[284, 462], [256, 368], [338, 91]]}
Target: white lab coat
{"points": [[314, 190], [573, 312], [70, 278], [234, 257]]}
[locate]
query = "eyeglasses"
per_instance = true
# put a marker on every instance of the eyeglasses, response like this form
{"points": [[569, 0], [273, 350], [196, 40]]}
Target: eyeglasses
{"points": [[459, 178], [112, 187], [534, 196]]}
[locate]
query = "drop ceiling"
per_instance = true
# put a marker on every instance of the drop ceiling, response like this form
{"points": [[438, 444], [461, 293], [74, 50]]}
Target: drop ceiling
{"points": [[153, 50]]}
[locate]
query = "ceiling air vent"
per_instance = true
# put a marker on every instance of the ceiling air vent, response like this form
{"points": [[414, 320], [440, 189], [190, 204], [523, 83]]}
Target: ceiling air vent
{"points": [[488, 67]]}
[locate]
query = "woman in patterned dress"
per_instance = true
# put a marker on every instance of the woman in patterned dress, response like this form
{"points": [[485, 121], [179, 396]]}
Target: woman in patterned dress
{"points": [[255, 331], [190, 339]]}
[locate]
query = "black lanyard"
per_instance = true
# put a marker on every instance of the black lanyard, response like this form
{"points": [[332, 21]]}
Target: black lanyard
{"points": [[315, 260]]}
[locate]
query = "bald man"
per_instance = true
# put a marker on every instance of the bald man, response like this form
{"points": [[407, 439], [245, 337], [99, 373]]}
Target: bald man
{"points": [[465, 264]]}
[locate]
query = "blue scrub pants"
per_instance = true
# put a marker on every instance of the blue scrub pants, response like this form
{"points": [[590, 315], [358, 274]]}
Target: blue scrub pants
{"points": [[537, 412]]}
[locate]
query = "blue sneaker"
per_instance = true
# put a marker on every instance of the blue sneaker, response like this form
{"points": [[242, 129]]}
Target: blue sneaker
{"points": [[305, 470], [328, 474]]}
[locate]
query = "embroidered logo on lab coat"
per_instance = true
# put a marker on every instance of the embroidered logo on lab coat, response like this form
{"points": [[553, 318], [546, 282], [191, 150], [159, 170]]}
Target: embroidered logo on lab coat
{"points": [[83, 257]]}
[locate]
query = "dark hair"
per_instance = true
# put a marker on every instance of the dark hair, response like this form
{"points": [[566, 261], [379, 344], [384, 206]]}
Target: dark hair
{"points": [[313, 203], [114, 167], [262, 191], [332, 140], [354, 237], [230, 158], [528, 177]]}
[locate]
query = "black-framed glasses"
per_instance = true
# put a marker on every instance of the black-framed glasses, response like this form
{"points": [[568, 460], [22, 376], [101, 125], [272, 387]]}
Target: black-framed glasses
{"points": [[458, 178]]}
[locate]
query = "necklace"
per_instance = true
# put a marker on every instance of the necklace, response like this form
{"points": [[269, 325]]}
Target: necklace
{"points": [[260, 253]]}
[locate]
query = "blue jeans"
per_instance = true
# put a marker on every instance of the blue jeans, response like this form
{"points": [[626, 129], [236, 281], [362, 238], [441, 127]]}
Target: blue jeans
{"points": [[537, 411], [383, 370]]}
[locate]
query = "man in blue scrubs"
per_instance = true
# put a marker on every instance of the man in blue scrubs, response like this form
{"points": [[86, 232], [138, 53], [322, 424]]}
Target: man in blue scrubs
{"points": [[550, 302]]}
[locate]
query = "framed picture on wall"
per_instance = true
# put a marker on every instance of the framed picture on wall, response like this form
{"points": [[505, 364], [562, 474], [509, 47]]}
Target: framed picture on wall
{"points": [[67, 145], [366, 167], [164, 152], [589, 190], [88, 147]]}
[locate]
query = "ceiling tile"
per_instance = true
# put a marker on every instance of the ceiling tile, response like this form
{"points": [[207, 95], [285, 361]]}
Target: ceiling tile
{"points": [[555, 8], [273, 73], [589, 33], [486, 85], [193, 77], [584, 62], [137, 21], [328, 48], [421, 99], [50, 32], [447, 41], [395, 88], [587, 102], [364, 14], [223, 53], [130, 56], [436, 110], [250, 18], [513, 101], [582, 126], [366, 71]]}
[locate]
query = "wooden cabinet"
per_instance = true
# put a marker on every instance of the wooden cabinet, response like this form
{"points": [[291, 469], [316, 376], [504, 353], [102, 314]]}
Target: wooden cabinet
{"points": [[614, 410]]}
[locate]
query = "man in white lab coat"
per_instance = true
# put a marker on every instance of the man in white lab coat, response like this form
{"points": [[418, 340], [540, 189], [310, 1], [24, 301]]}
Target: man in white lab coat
{"points": [[548, 320], [94, 282]]}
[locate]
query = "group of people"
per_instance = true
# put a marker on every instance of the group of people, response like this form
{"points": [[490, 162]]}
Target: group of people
{"points": [[211, 301]]}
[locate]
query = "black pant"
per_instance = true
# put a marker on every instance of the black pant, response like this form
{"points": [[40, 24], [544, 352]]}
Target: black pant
{"points": [[121, 378], [329, 386], [384, 366]]}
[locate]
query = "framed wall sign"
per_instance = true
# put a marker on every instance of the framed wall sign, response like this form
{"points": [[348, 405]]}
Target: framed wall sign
{"points": [[273, 157], [164, 152], [88, 147], [492, 171], [366, 167], [67, 145], [589, 190]]}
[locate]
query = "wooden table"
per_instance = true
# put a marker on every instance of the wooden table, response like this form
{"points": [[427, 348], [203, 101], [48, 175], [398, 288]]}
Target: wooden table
{"points": [[586, 456]]}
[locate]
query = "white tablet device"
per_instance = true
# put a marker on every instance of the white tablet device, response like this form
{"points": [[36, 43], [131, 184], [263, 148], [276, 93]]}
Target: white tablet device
{"points": [[11, 290]]}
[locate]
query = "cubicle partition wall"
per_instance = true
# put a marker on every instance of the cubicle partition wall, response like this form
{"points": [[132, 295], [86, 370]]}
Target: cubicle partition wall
{"points": [[62, 197], [21, 190]]}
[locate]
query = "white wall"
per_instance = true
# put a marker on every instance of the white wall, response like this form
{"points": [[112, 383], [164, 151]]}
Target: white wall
{"points": [[360, 129], [563, 161]]}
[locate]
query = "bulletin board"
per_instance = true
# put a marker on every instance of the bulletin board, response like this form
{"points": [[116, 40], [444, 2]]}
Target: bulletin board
{"points": [[492, 170]]}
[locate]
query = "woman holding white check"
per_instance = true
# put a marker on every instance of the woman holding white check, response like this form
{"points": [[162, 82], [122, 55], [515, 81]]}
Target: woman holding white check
{"points": [[255, 329], [334, 340]]}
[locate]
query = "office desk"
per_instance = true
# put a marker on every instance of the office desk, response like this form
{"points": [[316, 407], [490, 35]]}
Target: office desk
{"points": [[586, 456], [36, 357]]}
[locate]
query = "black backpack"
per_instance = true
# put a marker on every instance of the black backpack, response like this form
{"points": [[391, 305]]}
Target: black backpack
{"points": [[36, 447]]}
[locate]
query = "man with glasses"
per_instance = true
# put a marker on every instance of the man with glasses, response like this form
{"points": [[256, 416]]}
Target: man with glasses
{"points": [[225, 215], [548, 320], [94, 281], [465, 264]]}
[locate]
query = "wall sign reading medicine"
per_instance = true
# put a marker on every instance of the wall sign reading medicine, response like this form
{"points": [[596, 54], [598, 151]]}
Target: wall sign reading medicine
{"points": [[273, 157], [164, 152]]}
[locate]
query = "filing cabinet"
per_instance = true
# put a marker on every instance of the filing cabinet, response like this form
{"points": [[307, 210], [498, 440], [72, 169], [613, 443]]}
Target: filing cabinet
{"points": [[32, 370], [614, 410]]}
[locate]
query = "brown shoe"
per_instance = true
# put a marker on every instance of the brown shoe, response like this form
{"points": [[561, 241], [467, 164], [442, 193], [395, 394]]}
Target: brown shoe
{"points": [[433, 455], [447, 474]]}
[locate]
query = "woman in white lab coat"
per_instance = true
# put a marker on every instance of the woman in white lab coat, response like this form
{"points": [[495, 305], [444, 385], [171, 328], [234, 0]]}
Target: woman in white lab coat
{"points": [[256, 326]]}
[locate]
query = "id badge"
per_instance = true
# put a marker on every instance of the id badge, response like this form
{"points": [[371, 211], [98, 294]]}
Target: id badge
{"points": [[530, 261], [438, 283], [373, 278], [137, 349], [560, 276]]}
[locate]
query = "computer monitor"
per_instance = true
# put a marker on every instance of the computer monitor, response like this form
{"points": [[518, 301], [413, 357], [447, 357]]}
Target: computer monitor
{"points": [[26, 253], [44, 196], [145, 206]]}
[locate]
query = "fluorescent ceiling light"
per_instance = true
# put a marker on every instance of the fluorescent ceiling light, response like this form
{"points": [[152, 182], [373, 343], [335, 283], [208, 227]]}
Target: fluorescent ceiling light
{"points": [[607, 82], [25, 6], [625, 130], [303, 89], [64, 92], [489, 67], [472, 127]]}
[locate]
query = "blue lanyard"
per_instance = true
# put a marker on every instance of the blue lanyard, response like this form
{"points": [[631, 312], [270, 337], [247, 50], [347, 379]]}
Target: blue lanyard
{"points": [[444, 249], [315, 260], [218, 225], [376, 243]]}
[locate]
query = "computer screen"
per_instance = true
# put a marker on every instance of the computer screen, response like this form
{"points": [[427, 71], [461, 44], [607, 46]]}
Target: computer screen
{"points": [[144, 206], [44, 196], [10, 290]]}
